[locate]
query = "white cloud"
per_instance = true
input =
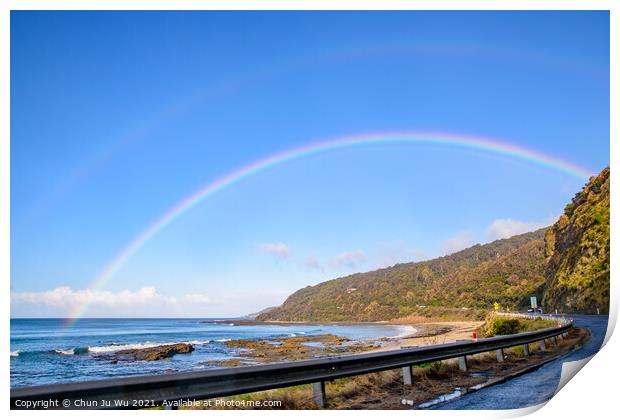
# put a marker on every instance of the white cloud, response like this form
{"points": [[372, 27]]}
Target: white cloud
{"points": [[505, 228], [348, 259], [279, 249], [458, 242], [146, 301]]}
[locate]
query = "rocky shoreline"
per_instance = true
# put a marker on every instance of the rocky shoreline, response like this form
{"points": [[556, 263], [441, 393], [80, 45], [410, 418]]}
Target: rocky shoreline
{"points": [[283, 349], [259, 351], [252, 351], [247, 352]]}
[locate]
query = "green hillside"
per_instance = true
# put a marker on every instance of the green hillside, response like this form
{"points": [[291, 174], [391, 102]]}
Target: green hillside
{"points": [[577, 251], [507, 271], [566, 265]]}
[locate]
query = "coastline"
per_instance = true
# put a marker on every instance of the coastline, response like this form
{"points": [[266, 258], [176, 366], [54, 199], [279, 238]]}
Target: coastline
{"points": [[413, 334], [315, 346], [408, 331], [187, 345], [98, 348], [432, 333]]}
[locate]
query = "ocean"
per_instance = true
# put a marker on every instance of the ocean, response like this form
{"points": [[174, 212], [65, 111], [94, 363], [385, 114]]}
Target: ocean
{"points": [[51, 351]]}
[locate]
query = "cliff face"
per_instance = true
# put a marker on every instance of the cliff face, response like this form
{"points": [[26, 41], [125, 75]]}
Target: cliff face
{"points": [[577, 252]]}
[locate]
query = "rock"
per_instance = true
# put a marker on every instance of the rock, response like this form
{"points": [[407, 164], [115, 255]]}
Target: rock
{"points": [[152, 353], [294, 348]]}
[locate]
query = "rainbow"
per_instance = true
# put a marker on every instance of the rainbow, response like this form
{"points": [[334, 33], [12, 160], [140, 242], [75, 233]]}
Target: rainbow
{"points": [[406, 137]]}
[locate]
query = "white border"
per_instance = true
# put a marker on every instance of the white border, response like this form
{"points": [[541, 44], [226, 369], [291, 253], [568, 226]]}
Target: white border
{"points": [[591, 395]]}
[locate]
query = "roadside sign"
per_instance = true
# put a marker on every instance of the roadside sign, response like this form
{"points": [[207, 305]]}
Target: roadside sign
{"points": [[533, 302]]}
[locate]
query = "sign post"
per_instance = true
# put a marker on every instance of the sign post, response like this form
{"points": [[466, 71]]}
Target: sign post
{"points": [[533, 302]]}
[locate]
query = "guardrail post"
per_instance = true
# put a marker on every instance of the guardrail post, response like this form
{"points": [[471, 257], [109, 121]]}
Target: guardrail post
{"points": [[318, 392], [526, 349], [542, 345], [407, 376], [499, 353], [463, 363]]}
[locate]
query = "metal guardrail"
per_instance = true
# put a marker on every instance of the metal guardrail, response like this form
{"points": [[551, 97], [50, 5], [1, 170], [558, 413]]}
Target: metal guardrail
{"points": [[145, 391], [534, 315]]}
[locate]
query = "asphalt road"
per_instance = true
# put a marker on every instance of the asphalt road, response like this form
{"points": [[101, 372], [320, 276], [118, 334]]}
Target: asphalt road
{"points": [[535, 387]]}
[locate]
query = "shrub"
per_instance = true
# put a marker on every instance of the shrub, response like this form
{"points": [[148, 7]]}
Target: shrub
{"points": [[437, 368], [505, 326]]}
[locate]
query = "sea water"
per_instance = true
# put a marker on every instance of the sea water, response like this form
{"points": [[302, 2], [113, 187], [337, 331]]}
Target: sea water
{"points": [[48, 351]]}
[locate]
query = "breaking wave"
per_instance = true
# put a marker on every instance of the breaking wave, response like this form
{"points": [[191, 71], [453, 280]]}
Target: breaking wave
{"points": [[146, 345]]}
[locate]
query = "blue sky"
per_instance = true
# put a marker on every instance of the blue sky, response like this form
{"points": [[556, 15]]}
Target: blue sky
{"points": [[118, 116]]}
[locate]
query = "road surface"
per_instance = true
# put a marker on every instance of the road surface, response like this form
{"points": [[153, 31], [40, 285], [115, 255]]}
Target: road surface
{"points": [[535, 387]]}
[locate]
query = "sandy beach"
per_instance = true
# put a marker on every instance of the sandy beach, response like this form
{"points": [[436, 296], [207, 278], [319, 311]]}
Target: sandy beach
{"points": [[432, 333]]}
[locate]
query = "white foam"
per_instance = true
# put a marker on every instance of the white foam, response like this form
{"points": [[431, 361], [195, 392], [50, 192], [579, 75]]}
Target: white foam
{"points": [[405, 331], [199, 342], [15, 353], [118, 347], [146, 345], [222, 340], [69, 352]]}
